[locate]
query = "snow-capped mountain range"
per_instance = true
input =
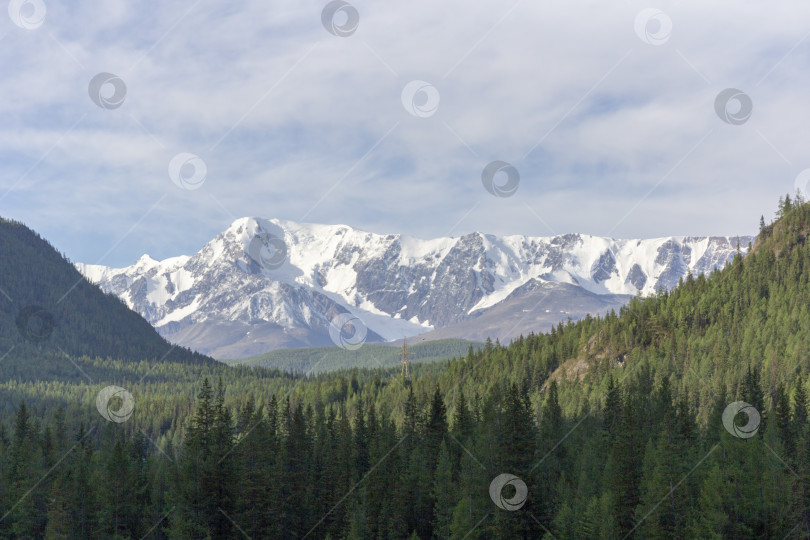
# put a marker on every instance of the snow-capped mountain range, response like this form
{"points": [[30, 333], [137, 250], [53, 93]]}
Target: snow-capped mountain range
{"points": [[264, 284]]}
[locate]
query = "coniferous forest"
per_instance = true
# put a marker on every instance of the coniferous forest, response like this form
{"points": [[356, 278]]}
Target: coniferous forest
{"points": [[685, 415]]}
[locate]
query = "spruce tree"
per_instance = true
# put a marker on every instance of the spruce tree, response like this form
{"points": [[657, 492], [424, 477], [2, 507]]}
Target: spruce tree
{"points": [[444, 493], [627, 458]]}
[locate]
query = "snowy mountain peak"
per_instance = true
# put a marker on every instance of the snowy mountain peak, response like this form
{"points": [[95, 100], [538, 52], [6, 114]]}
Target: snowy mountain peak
{"points": [[146, 260], [265, 283]]}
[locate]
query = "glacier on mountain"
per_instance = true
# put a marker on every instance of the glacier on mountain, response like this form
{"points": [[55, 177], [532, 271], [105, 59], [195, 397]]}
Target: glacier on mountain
{"points": [[223, 301]]}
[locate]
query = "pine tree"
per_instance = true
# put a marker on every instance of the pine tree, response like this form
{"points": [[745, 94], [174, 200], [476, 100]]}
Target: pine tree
{"points": [[627, 458], [81, 493], [463, 524], [783, 421], [710, 517], [60, 518], [752, 393], [801, 460], [253, 458], [200, 430], [296, 458], [462, 431], [361, 442], [435, 428], [445, 495], [25, 521], [667, 488], [611, 411], [220, 466], [463, 422], [115, 510], [798, 421]]}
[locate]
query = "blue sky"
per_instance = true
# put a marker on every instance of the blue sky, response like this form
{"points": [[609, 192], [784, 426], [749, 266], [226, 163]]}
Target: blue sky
{"points": [[606, 112]]}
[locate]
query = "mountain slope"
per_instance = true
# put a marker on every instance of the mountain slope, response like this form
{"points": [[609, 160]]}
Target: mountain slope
{"points": [[315, 360], [48, 308], [264, 284], [536, 306], [709, 333]]}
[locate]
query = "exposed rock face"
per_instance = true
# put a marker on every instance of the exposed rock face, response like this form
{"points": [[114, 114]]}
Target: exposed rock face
{"points": [[636, 277]]}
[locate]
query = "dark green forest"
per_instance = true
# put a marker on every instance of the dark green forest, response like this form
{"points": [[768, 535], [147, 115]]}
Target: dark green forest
{"points": [[616, 426]]}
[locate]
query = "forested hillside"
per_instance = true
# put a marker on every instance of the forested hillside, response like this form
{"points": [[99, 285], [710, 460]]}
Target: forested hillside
{"points": [[618, 427], [49, 310]]}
